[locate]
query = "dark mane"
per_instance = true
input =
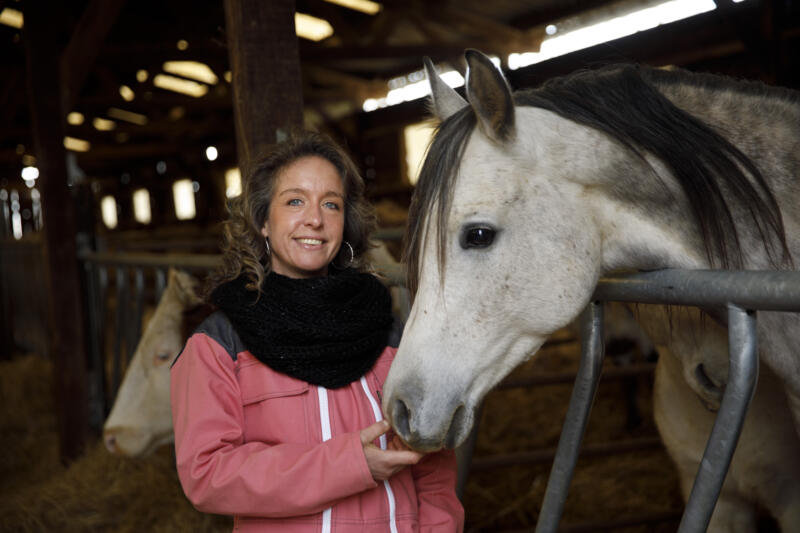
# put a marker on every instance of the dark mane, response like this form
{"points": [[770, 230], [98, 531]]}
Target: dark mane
{"points": [[623, 102], [436, 182]]}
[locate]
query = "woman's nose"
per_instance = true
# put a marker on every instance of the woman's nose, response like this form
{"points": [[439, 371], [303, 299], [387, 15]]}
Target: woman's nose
{"points": [[314, 216]]}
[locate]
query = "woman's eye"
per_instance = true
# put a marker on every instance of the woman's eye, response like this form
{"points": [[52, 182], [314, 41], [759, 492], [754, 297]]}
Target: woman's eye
{"points": [[332, 205], [477, 237], [295, 201]]}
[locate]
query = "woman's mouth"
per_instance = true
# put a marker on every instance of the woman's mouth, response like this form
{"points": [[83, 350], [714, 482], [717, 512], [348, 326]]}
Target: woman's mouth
{"points": [[313, 242]]}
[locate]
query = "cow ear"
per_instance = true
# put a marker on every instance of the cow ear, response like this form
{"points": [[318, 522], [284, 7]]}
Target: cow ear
{"points": [[490, 96], [186, 287], [445, 101]]}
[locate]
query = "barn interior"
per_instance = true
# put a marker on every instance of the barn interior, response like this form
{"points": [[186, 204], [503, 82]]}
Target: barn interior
{"points": [[126, 127]]}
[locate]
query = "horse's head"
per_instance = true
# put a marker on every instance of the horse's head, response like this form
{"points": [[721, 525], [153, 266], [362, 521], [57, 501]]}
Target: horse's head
{"points": [[140, 419], [501, 253], [524, 200]]}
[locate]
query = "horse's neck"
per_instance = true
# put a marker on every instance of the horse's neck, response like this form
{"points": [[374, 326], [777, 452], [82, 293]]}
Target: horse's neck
{"points": [[748, 118], [652, 223], [763, 125], [635, 239]]}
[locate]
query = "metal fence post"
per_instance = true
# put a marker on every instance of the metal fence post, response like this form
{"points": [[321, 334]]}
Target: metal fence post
{"points": [[580, 404]]}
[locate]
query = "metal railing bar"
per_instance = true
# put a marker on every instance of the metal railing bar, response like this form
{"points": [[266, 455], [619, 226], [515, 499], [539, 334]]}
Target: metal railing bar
{"points": [[187, 261], [742, 378], [134, 325], [102, 281], [580, 404], [97, 382], [392, 274], [122, 304], [748, 289]]}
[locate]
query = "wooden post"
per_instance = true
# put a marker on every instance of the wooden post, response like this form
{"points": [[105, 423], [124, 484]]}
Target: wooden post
{"points": [[265, 63], [67, 341]]}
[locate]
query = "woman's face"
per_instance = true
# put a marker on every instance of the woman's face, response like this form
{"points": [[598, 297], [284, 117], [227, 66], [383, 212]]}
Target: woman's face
{"points": [[306, 218]]}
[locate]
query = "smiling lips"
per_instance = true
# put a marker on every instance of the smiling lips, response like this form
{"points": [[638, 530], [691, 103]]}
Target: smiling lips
{"points": [[305, 240]]}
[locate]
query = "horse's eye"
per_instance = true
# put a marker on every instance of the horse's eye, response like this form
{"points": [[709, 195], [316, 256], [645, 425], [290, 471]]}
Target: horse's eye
{"points": [[477, 237]]}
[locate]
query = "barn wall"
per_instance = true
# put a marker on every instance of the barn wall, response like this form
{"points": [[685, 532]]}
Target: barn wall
{"points": [[23, 297]]}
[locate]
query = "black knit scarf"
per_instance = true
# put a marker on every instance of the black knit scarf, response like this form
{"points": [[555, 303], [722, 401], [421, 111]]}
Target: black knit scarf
{"points": [[327, 331]]}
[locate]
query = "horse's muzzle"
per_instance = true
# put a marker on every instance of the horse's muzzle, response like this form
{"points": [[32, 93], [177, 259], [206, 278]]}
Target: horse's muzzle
{"points": [[428, 428]]}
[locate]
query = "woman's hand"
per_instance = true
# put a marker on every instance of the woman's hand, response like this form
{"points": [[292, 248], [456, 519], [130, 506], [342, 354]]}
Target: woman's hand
{"points": [[383, 464]]}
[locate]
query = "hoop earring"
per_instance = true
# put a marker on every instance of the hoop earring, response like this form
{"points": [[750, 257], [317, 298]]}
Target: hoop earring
{"points": [[266, 243], [352, 257]]}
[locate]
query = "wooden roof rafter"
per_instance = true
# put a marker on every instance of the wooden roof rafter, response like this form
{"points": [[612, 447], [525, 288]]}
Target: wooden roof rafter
{"points": [[556, 12]]}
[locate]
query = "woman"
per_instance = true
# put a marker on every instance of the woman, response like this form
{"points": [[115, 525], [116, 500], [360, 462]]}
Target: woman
{"points": [[276, 396]]}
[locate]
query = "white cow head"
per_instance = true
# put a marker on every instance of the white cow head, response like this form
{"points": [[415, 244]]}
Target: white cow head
{"points": [[140, 420]]}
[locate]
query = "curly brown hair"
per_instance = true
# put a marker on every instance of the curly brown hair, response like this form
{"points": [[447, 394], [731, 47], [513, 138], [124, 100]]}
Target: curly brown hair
{"points": [[243, 246]]}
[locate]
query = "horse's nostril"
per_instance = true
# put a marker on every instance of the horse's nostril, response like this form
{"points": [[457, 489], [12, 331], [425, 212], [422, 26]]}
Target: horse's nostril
{"points": [[456, 424], [400, 417]]}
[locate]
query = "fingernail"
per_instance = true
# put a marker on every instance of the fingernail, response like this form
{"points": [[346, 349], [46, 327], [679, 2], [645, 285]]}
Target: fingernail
{"points": [[385, 423]]}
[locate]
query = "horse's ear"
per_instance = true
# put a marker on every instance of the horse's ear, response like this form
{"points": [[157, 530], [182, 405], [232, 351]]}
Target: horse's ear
{"points": [[490, 96], [445, 100]]}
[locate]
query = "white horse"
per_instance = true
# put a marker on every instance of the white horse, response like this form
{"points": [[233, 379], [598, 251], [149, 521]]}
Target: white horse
{"points": [[525, 200]]}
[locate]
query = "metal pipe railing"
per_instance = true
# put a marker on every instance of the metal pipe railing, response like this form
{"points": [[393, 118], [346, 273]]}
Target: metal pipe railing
{"points": [[765, 290], [742, 378], [741, 292], [580, 404]]}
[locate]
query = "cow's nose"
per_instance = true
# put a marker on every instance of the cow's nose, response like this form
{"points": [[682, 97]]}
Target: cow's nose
{"points": [[111, 442]]}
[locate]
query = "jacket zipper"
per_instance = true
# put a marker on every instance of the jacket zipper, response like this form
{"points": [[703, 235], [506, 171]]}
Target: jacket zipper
{"points": [[376, 411], [325, 422]]}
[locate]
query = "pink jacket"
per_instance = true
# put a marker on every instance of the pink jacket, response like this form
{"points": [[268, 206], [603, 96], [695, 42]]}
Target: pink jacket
{"points": [[283, 455]]}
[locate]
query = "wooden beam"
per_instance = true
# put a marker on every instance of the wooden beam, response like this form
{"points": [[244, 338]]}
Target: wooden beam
{"points": [[382, 26], [67, 342], [556, 12], [494, 37], [337, 17], [472, 24], [356, 53], [158, 98], [84, 46], [264, 59], [182, 132]]}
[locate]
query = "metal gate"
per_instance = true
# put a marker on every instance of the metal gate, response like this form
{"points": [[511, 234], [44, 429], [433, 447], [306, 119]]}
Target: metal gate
{"points": [[741, 294]]}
